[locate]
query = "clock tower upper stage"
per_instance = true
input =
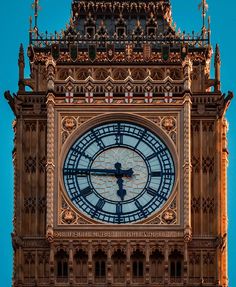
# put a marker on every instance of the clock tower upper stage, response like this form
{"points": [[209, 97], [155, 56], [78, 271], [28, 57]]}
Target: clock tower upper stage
{"points": [[120, 152]]}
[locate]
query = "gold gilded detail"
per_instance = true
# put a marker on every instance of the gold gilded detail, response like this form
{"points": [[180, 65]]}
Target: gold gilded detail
{"points": [[69, 123], [168, 123], [68, 216]]}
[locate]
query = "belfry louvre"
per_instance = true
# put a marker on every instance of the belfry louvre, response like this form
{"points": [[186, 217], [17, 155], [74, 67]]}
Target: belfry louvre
{"points": [[120, 152]]}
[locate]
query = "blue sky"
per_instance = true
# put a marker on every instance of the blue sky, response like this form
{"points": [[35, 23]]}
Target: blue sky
{"points": [[14, 17]]}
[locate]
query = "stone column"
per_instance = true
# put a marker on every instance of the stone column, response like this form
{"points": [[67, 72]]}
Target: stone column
{"points": [[90, 263], [128, 263], [147, 271], [186, 262], [109, 264], [166, 263], [50, 66], [52, 265], [70, 266]]}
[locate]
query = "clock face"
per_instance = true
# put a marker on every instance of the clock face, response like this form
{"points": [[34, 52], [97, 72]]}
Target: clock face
{"points": [[119, 172]]}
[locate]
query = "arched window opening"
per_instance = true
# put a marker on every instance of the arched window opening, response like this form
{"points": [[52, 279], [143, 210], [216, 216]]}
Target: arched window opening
{"points": [[62, 265], [90, 27], [151, 26], [138, 260], [81, 266], [120, 27], [157, 266], [138, 269], [100, 266], [176, 264], [119, 266]]}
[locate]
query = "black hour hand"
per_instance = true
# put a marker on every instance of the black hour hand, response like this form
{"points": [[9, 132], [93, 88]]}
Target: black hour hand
{"points": [[121, 192]]}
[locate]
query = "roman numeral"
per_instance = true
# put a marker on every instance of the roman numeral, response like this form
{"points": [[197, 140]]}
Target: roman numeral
{"points": [[75, 195], [151, 191], [143, 133], [139, 206], [77, 152], [86, 191], [100, 204], [160, 173], [98, 140], [151, 156], [119, 136], [119, 208], [156, 174], [163, 197]]}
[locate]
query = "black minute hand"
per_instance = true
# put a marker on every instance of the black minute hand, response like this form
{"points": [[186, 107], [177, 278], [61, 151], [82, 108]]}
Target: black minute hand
{"points": [[98, 171]]}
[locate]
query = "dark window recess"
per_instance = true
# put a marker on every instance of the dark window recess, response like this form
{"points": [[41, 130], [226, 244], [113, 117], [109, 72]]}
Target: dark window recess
{"points": [[176, 259], [120, 31], [175, 269], [90, 31], [172, 269], [178, 269], [62, 269], [100, 269], [138, 269], [151, 31], [62, 263]]}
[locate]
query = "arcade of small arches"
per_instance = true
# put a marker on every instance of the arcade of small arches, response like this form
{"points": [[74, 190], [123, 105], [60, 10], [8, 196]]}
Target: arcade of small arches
{"points": [[117, 266]]}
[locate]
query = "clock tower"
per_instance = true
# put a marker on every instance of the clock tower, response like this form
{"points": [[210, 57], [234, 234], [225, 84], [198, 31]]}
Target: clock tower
{"points": [[120, 153]]}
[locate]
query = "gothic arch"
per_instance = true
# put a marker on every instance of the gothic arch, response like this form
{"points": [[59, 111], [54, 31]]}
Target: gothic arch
{"points": [[176, 265], [156, 266], [137, 265], [100, 266], [119, 266], [61, 261]]}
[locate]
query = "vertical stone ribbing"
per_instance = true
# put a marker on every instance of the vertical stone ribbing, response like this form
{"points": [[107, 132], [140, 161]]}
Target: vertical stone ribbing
{"points": [[187, 69], [50, 66], [50, 164], [224, 213], [187, 165]]}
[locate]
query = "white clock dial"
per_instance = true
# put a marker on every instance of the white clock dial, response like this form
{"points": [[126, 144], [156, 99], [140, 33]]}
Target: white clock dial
{"points": [[107, 185]]}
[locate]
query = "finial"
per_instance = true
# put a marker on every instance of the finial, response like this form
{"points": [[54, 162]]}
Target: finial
{"points": [[217, 64], [209, 30], [36, 8], [204, 6], [21, 52], [30, 29], [30, 22], [21, 65]]}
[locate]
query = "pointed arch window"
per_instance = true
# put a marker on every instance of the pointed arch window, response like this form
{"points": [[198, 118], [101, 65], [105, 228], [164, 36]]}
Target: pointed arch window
{"points": [[176, 264], [151, 26], [100, 259], [138, 261], [157, 266], [119, 266], [90, 27], [80, 266], [121, 28], [61, 258]]}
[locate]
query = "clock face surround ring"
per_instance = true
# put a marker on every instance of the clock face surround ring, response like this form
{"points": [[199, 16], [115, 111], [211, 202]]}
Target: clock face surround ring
{"points": [[118, 172]]}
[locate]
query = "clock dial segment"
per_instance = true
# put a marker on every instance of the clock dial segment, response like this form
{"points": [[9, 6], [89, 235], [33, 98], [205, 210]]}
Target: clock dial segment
{"points": [[119, 173]]}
